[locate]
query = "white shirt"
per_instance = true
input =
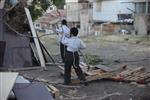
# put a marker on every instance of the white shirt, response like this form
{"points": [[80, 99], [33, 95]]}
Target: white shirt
{"points": [[73, 43], [63, 31]]}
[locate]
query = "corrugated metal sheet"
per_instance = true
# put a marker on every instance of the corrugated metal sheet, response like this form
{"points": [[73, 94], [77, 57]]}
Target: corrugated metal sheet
{"points": [[17, 49]]}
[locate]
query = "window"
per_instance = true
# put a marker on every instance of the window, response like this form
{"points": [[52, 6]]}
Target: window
{"points": [[127, 18], [140, 7], [84, 5], [149, 7], [90, 5], [78, 26], [37, 25]]}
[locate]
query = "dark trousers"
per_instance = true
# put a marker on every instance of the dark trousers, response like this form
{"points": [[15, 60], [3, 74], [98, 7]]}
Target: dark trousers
{"points": [[63, 49], [72, 59]]}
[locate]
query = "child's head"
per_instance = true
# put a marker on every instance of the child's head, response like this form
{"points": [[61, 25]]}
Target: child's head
{"points": [[74, 31], [64, 22]]}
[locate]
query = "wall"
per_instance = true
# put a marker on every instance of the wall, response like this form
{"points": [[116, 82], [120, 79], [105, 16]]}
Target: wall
{"points": [[142, 24], [72, 10], [84, 22], [80, 13], [17, 52], [68, 1], [108, 10]]}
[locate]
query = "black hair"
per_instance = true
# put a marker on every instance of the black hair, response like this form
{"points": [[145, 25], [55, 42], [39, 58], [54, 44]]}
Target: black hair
{"points": [[64, 22], [74, 31]]}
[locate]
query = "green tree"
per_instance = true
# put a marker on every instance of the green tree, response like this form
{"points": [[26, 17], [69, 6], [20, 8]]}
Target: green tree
{"points": [[38, 7], [59, 3]]}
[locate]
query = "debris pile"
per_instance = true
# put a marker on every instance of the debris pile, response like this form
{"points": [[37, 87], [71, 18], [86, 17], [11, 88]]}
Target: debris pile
{"points": [[123, 74]]}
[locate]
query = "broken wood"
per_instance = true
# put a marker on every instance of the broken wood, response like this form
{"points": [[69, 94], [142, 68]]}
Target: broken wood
{"points": [[54, 91], [104, 68], [123, 74], [133, 74]]}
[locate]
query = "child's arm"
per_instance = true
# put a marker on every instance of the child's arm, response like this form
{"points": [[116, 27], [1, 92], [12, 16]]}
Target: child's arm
{"points": [[65, 40], [59, 30], [82, 45]]}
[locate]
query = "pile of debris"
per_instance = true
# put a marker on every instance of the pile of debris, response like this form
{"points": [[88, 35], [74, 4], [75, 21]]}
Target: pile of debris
{"points": [[123, 74]]}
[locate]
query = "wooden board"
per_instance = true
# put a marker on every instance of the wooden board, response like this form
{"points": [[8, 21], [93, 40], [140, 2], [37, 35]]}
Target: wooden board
{"points": [[7, 81], [105, 68], [33, 48], [55, 92], [34, 34], [2, 3]]}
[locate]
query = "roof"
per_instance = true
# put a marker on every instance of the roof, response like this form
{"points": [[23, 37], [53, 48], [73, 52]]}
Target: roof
{"points": [[52, 17]]}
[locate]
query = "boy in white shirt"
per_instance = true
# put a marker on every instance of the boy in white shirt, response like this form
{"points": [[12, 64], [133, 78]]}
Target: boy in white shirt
{"points": [[64, 31], [74, 44]]}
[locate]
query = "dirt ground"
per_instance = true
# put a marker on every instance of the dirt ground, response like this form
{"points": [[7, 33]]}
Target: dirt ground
{"points": [[115, 52]]}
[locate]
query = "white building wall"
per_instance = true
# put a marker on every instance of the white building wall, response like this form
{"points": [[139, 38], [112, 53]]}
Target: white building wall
{"points": [[67, 1], [109, 10], [72, 12], [84, 22]]}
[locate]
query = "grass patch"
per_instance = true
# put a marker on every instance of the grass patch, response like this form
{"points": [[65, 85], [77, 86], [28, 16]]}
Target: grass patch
{"points": [[93, 59], [125, 39]]}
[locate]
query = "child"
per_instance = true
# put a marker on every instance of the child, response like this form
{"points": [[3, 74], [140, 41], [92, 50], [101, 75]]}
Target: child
{"points": [[64, 31], [74, 44]]}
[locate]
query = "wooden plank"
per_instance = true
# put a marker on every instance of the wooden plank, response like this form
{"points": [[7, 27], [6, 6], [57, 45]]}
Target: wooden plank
{"points": [[132, 72], [33, 48], [54, 64], [54, 90], [39, 51], [121, 74], [2, 3], [7, 80], [94, 72], [22, 69], [105, 68], [103, 75]]}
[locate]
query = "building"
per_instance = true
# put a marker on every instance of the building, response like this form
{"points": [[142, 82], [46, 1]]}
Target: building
{"points": [[142, 16], [47, 22], [90, 14], [79, 14], [112, 10], [112, 16]]}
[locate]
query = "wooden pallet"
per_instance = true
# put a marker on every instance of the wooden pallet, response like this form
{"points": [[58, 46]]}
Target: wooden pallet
{"points": [[122, 74]]}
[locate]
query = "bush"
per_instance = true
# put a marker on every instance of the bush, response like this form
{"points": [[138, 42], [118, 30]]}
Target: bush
{"points": [[93, 59]]}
